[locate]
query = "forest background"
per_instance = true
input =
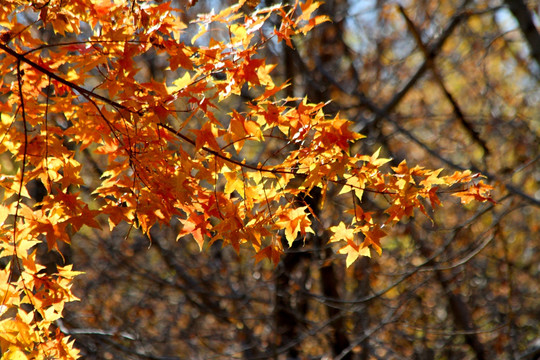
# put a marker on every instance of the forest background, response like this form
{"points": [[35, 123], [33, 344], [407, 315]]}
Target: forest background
{"points": [[451, 84]]}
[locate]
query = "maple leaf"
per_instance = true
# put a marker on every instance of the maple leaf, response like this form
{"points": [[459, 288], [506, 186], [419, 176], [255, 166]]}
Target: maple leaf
{"points": [[196, 225], [373, 237], [272, 252], [308, 8], [342, 232], [373, 161], [353, 253], [179, 56], [294, 221], [285, 31], [206, 136], [357, 184], [477, 192]]}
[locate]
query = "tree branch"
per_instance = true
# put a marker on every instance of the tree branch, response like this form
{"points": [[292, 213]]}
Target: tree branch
{"points": [[430, 61], [528, 29], [79, 89]]}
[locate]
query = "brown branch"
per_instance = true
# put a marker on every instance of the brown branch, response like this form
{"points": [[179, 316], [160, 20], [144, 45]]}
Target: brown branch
{"points": [[384, 111], [224, 157], [16, 265], [430, 61], [262, 168], [89, 94], [528, 29], [434, 49], [79, 89]]}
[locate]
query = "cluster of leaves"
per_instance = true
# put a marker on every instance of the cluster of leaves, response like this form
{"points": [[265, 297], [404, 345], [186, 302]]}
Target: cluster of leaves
{"points": [[170, 152]]}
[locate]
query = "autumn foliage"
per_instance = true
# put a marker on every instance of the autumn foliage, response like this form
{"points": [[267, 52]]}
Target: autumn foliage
{"points": [[177, 148]]}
